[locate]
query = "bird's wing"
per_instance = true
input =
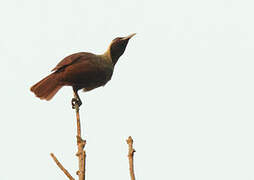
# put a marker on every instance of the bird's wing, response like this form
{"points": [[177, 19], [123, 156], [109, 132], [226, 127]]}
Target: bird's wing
{"points": [[86, 72], [72, 59]]}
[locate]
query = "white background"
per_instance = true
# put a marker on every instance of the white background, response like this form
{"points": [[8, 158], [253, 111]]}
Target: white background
{"points": [[183, 89]]}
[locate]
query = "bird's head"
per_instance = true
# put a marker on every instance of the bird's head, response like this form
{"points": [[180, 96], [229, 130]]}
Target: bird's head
{"points": [[117, 47]]}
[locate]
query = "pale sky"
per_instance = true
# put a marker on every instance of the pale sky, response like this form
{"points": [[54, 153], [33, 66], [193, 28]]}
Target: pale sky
{"points": [[183, 89]]}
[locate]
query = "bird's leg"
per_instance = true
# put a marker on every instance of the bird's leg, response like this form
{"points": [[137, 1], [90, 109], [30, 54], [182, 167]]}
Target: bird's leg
{"points": [[76, 99]]}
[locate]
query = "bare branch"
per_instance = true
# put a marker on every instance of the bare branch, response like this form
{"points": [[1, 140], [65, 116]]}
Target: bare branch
{"points": [[81, 154], [130, 156], [61, 167]]}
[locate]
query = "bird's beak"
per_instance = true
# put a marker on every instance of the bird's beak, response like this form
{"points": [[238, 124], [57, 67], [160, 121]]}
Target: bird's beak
{"points": [[128, 37]]}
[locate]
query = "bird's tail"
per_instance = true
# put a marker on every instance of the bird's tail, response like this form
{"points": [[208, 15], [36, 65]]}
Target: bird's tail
{"points": [[47, 87]]}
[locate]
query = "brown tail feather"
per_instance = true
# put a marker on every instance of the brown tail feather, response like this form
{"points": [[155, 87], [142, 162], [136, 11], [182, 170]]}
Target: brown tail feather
{"points": [[47, 87]]}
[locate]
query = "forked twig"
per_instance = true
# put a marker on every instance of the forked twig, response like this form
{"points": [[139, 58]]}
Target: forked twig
{"points": [[81, 154]]}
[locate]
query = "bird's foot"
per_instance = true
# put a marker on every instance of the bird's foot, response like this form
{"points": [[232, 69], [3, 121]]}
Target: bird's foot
{"points": [[74, 102]]}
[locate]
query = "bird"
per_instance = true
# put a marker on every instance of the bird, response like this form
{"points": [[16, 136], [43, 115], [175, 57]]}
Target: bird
{"points": [[82, 70]]}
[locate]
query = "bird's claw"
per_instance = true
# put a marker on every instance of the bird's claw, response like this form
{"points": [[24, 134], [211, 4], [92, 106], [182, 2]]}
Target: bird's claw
{"points": [[75, 101]]}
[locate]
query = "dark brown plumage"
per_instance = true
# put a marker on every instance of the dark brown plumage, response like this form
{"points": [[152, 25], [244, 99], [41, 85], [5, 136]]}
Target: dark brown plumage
{"points": [[82, 71]]}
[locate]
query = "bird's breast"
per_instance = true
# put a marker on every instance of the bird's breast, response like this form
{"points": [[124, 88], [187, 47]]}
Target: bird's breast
{"points": [[100, 79]]}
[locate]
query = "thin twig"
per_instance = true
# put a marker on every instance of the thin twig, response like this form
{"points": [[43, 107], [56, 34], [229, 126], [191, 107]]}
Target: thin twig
{"points": [[81, 154], [61, 167], [130, 156]]}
